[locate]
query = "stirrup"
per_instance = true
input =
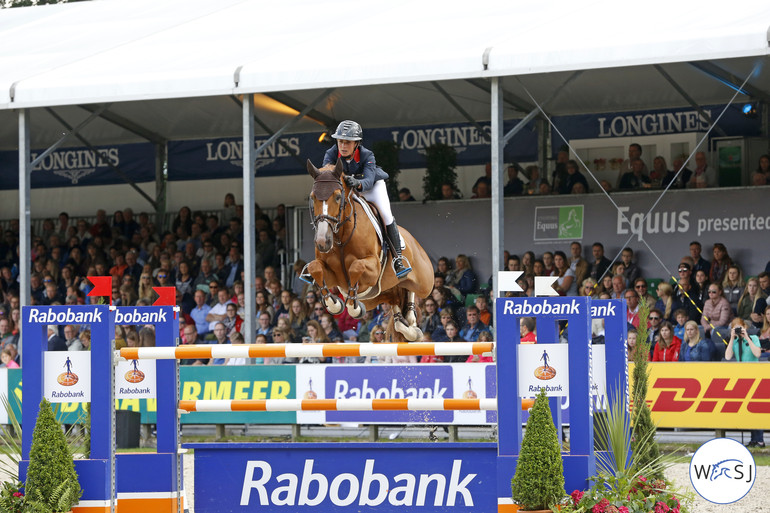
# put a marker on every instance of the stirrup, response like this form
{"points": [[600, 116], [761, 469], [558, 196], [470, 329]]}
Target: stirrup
{"points": [[305, 276], [404, 262]]}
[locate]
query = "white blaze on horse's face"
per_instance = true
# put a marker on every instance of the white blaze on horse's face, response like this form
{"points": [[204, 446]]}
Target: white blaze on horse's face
{"points": [[323, 233]]}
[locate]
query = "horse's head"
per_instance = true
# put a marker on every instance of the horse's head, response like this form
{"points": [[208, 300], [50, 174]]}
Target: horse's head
{"points": [[327, 200]]}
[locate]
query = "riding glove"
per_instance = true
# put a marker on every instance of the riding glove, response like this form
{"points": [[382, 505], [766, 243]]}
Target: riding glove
{"points": [[352, 182]]}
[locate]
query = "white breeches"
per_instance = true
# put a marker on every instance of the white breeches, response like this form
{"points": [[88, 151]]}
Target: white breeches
{"points": [[379, 196]]}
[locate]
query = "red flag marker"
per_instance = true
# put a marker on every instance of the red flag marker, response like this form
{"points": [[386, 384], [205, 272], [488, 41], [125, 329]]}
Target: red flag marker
{"points": [[166, 296], [102, 286]]}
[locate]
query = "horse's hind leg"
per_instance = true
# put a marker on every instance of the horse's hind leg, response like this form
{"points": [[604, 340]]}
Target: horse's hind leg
{"points": [[407, 324]]}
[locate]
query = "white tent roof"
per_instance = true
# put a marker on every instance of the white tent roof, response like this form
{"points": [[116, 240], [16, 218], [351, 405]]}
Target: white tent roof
{"points": [[381, 57]]}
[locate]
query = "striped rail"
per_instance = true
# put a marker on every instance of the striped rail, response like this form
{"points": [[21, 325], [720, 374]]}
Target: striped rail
{"points": [[203, 351], [339, 405]]}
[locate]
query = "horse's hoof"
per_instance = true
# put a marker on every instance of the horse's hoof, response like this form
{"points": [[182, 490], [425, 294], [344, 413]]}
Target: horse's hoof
{"points": [[410, 333], [358, 310], [333, 305]]}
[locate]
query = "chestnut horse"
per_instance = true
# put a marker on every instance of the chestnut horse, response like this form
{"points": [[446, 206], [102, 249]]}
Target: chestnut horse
{"points": [[349, 256]]}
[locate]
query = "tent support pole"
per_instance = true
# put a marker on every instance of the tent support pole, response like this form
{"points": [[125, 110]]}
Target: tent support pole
{"points": [[102, 158], [688, 98], [291, 123], [267, 129], [498, 143], [25, 226], [462, 111], [70, 131], [249, 244]]}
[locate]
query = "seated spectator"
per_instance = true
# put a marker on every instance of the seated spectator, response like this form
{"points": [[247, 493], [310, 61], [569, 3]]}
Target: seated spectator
{"points": [[444, 267], [235, 339], [589, 288], [748, 300], [232, 321], [764, 167], [667, 303], [632, 307], [467, 282], [430, 358], [315, 335], [693, 347], [549, 268], [605, 285], [484, 336], [533, 186], [448, 192], [667, 345], [574, 176], [701, 285], [404, 194], [640, 286], [717, 315], [527, 330], [291, 337], [680, 316], [566, 285], [721, 263], [298, 316], [485, 315], [733, 285], [453, 335], [7, 358], [758, 179], [702, 176], [430, 317], [446, 316], [473, 326], [631, 345], [634, 179], [514, 187], [618, 287], [659, 171], [329, 326], [742, 346]]}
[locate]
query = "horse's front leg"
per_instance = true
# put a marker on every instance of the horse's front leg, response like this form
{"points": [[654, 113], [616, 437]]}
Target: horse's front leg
{"points": [[363, 273], [319, 270]]}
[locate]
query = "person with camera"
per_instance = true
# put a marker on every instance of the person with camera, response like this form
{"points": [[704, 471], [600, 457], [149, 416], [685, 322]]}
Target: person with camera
{"points": [[745, 348], [742, 346]]}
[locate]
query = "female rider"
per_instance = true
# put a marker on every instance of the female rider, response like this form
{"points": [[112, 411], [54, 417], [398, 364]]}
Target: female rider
{"points": [[363, 175]]}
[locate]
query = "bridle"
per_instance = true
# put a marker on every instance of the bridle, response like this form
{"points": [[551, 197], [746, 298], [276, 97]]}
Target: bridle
{"points": [[329, 184]]}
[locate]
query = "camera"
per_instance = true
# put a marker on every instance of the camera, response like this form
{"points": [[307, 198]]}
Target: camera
{"points": [[738, 331]]}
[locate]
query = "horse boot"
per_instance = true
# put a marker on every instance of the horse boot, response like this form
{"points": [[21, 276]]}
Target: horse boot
{"points": [[400, 264]]}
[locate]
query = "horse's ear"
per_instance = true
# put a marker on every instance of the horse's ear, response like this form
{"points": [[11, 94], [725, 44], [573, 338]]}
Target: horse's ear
{"points": [[311, 169], [338, 169]]}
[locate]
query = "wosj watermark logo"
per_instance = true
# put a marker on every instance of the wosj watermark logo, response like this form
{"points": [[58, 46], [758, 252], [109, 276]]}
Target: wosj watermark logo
{"points": [[722, 471], [555, 223]]}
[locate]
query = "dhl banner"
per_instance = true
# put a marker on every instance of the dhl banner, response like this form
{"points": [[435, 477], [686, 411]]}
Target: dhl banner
{"points": [[718, 395]]}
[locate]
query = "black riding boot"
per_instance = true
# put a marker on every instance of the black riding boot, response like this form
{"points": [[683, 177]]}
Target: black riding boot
{"points": [[400, 265]]}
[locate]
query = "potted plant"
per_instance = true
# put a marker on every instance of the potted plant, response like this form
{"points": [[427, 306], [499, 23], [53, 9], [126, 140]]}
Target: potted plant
{"points": [[626, 481], [441, 160], [51, 478], [538, 484]]}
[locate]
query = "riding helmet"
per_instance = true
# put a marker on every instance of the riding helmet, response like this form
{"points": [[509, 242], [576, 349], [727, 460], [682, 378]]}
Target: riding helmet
{"points": [[349, 131]]}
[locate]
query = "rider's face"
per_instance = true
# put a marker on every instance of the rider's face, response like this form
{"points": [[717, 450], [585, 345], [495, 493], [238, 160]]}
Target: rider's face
{"points": [[346, 147]]}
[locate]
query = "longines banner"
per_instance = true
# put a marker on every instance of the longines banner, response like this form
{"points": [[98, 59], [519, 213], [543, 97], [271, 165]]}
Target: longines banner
{"points": [[68, 167], [223, 158], [652, 122]]}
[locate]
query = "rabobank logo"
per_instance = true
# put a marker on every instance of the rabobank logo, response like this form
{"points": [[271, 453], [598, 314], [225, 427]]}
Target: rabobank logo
{"points": [[67, 378], [367, 487], [134, 375], [722, 471], [545, 371]]}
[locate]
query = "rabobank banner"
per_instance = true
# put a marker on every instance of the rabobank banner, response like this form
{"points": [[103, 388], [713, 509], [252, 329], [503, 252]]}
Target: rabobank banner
{"points": [[223, 158], [334, 477], [430, 381], [652, 122], [67, 167]]}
